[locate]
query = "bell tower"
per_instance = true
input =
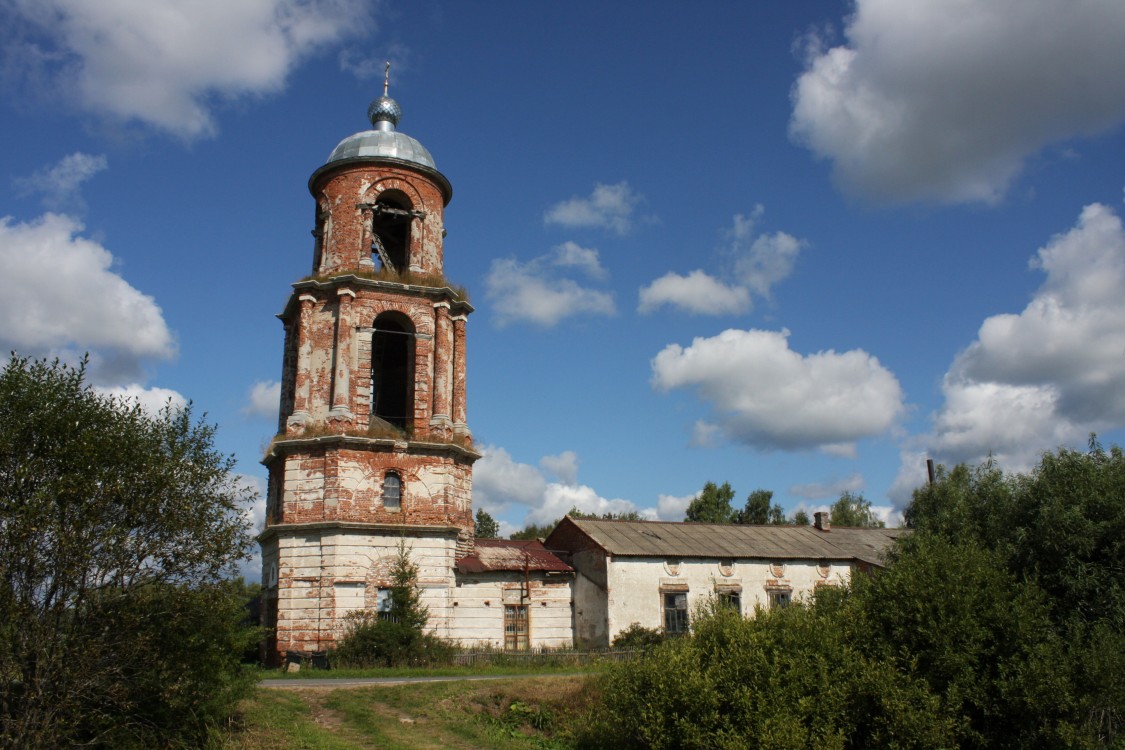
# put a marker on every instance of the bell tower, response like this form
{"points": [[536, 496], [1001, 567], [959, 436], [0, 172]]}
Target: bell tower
{"points": [[373, 448]]}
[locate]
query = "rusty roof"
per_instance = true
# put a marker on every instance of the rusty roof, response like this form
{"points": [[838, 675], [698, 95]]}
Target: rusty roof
{"points": [[668, 539], [505, 554]]}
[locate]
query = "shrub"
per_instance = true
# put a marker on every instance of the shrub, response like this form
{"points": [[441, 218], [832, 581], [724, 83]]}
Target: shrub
{"points": [[370, 641], [395, 637], [637, 637]]}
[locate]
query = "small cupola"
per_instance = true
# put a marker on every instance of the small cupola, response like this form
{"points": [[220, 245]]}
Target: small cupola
{"points": [[383, 141]]}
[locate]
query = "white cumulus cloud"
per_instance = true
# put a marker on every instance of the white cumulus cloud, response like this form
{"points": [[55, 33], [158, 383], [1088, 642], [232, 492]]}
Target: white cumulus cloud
{"points": [[764, 260], [59, 184], [500, 483], [560, 498], [168, 63], [944, 100], [585, 259], [151, 400], [608, 207], [59, 294], [758, 262], [673, 507], [563, 466], [538, 292], [696, 293], [1044, 377], [264, 399], [765, 395]]}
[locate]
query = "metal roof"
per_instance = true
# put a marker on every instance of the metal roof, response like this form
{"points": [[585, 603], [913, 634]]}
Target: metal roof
{"points": [[504, 554], [666, 539], [384, 144], [383, 141]]}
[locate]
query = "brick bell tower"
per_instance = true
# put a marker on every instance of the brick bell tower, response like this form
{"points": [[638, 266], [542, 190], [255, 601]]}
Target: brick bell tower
{"points": [[373, 448]]}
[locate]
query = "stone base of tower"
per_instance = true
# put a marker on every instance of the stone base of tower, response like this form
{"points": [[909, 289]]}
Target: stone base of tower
{"points": [[334, 523], [316, 573]]}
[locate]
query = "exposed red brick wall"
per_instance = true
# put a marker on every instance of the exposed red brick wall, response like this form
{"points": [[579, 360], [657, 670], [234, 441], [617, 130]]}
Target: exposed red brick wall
{"points": [[348, 240], [327, 466]]}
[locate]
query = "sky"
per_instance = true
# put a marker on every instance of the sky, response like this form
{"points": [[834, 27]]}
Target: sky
{"points": [[800, 247]]}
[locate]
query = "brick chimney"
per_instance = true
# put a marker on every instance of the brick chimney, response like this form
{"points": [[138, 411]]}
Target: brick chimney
{"points": [[821, 520]]}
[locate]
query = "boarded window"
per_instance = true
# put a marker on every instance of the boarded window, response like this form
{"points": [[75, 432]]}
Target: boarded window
{"points": [[675, 613], [516, 629], [392, 491]]}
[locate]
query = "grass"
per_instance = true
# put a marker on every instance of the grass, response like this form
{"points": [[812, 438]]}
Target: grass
{"points": [[319, 429], [449, 671], [432, 280], [540, 713]]}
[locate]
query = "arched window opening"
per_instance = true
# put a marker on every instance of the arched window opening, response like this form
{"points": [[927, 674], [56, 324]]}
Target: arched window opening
{"points": [[391, 218], [392, 491], [392, 369]]}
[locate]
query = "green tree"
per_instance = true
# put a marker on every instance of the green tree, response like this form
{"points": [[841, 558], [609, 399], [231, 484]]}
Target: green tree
{"points": [[854, 510], [534, 531], [801, 518], [759, 510], [118, 529], [1062, 524], [712, 505], [396, 636], [951, 613], [1061, 528], [486, 526], [404, 599], [625, 515]]}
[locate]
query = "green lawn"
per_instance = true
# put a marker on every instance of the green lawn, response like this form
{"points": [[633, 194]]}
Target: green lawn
{"points": [[498, 669], [504, 714]]}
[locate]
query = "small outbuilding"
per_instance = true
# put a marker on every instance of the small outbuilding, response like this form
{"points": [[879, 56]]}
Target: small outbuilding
{"points": [[513, 595], [655, 574]]}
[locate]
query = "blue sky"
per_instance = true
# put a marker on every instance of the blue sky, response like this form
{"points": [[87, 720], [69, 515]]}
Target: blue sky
{"points": [[792, 246]]}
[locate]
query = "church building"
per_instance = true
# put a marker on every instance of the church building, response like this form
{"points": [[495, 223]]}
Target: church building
{"points": [[374, 451], [373, 446]]}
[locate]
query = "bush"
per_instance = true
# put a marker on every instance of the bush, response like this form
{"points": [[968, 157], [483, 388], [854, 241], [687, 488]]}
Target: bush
{"points": [[636, 637], [396, 637], [373, 642], [786, 678]]}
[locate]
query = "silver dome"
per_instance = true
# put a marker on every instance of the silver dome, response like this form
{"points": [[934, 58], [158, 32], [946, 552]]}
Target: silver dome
{"points": [[382, 144], [384, 109]]}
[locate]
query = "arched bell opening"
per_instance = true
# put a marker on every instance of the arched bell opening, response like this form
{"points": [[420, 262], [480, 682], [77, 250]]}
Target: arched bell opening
{"points": [[392, 370], [391, 220]]}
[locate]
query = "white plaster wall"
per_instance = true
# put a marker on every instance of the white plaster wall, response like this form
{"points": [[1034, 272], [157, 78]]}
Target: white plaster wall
{"points": [[318, 567], [634, 586], [311, 565], [478, 609], [590, 613]]}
